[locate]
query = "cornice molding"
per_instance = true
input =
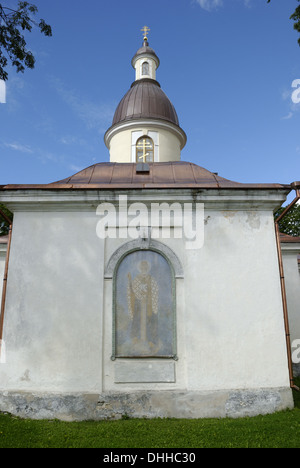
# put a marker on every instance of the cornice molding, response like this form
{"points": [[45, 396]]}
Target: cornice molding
{"points": [[150, 123], [88, 200]]}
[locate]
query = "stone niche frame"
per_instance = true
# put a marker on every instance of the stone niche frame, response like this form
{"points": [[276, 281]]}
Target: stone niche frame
{"points": [[144, 244]]}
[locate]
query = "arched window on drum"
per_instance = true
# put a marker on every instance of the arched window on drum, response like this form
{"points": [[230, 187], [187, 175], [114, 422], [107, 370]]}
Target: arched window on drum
{"points": [[144, 150], [146, 69]]}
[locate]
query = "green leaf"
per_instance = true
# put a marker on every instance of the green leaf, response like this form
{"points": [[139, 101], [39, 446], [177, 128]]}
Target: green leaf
{"points": [[12, 42], [290, 223]]}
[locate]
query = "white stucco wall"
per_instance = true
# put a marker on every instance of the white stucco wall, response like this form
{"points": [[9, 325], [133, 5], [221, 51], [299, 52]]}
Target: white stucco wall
{"points": [[229, 313], [3, 248], [53, 318], [234, 321], [290, 253], [58, 318]]}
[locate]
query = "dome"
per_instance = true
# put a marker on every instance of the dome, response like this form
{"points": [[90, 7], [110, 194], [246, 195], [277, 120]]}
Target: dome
{"points": [[145, 99], [145, 108], [145, 50]]}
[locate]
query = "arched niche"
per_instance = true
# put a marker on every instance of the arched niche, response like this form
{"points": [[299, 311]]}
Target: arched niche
{"points": [[144, 300]]}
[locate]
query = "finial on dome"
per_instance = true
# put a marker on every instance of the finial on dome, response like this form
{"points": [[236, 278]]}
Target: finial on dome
{"points": [[145, 30], [145, 60]]}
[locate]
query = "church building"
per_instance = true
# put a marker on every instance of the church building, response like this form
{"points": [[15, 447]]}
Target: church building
{"points": [[147, 286]]}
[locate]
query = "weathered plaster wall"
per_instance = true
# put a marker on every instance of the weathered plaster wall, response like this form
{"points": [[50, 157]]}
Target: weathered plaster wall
{"points": [[58, 319], [53, 318], [3, 248], [230, 326]]}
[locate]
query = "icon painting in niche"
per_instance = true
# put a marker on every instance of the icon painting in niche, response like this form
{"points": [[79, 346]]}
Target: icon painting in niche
{"points": [[144, 307]]}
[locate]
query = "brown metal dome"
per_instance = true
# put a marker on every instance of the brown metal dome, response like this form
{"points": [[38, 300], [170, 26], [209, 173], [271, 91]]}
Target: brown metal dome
{"points": [[145, 99], [145, 50]]}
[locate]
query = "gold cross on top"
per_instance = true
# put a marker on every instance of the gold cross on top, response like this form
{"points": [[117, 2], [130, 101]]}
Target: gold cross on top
{"points": [[145, 30]]}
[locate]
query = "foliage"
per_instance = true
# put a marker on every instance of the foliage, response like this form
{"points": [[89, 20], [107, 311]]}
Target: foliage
{"points": [[3, 222], [12, 41], [296, 17], [290, 223], [296, 394]]}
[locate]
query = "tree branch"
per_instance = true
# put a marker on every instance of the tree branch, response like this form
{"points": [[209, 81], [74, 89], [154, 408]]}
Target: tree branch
{"points": [[11, 39]]}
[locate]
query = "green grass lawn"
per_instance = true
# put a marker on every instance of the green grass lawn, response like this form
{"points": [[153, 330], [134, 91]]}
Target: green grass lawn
{"points": [[279, 430]]}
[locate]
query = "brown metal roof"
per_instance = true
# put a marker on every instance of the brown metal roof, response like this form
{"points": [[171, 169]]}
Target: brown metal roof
{"points": [[145, 100], [161, 175], [145, 50], [286, 238]]}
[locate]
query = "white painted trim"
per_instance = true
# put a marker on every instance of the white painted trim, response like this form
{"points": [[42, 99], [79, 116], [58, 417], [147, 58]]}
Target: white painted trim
{"points": [[150, 63], [155, 138], [290, 247], [135, 135], [140, 244], [88, 200]]}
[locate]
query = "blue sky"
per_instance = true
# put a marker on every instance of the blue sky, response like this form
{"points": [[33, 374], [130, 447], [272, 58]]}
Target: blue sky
{"points": [[227, 66]]}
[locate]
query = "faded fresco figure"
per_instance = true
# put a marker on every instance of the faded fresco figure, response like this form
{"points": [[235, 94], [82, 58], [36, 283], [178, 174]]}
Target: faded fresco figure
{"points": [[142, 294], [144, 319]]}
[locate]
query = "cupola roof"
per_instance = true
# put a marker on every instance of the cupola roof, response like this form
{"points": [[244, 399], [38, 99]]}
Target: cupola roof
{"points": [[145, 100], [147, 51]]}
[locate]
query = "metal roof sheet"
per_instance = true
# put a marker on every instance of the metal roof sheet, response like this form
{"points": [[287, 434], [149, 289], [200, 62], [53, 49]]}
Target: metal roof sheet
{"points": [[145, 100], [175, 175]]}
